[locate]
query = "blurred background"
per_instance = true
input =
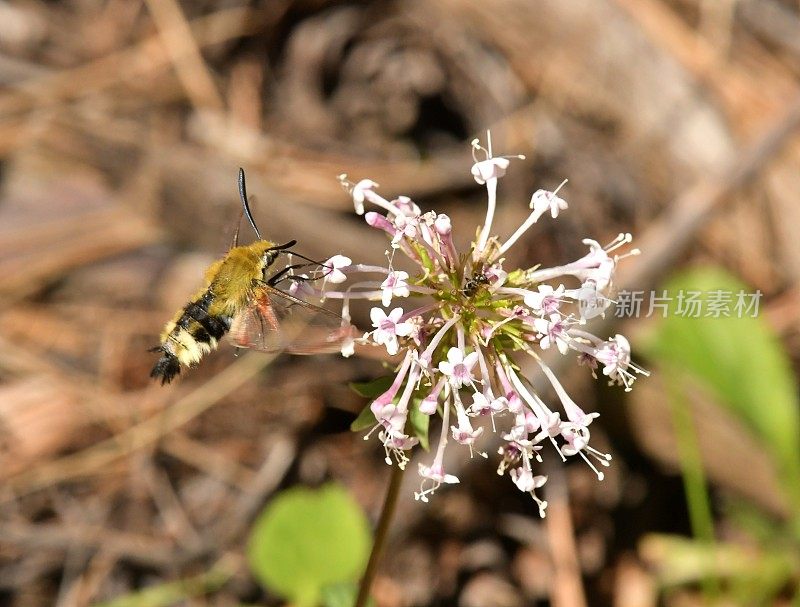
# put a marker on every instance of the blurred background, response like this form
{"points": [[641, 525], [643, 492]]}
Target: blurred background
{"points": [[122, 125]]}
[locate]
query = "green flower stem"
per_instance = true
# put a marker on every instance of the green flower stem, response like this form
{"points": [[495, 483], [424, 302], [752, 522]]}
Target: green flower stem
{"points": [[694, 482], [381, 534]]}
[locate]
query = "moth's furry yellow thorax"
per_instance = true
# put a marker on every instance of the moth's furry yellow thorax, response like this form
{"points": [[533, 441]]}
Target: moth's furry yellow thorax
{"points": [[232, 278]]}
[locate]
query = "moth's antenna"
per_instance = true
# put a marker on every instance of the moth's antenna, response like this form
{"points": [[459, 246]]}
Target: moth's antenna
{"points": [[235, 242], [243, 196]]}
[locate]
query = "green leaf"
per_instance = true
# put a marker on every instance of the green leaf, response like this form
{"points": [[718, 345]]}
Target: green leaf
{"points": [[742, 361], [307, 539], [366, 419], [172, 593], [753, 575], [374, 388], [370, 389], [342, 595], [419, 423]]}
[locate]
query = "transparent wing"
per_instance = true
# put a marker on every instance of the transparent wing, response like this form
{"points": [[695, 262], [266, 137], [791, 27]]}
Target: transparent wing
{"points": [[276, 321]]}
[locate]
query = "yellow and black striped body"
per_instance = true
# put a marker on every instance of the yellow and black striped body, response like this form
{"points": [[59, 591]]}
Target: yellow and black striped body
{"points": [[197, 328]]}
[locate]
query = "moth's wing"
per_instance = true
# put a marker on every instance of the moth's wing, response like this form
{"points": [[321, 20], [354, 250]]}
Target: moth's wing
{"points": [[307, 328], [257, 326], [276, 321]]}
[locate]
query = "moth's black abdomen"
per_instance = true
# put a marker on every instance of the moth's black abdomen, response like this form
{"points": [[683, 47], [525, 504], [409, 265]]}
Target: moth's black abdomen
{"points": [[191, 335], [166, 367], [214, 326]]}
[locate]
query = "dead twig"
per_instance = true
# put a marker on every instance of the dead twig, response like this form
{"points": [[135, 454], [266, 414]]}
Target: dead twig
{"points": [[566, 588], [280, 458], [94, 458], [137, 63], [134, 546], [184, 52]]}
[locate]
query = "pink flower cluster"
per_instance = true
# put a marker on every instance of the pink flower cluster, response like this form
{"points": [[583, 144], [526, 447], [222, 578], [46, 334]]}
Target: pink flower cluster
{"points": [[458, 324]]}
